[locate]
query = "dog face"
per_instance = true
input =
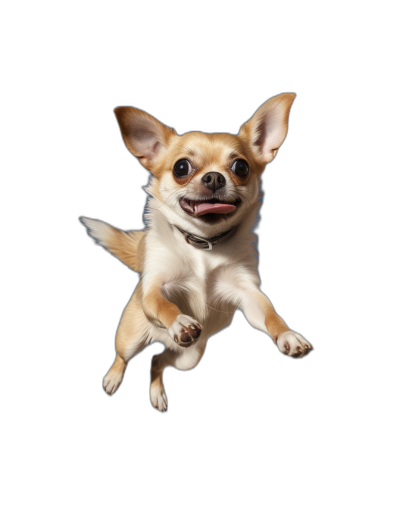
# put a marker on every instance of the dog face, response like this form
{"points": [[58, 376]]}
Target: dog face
{"points": [[207, 179]]}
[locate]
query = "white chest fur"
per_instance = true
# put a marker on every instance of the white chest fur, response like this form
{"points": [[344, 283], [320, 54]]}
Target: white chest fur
{"points": [[197, 280], [188, 275]]}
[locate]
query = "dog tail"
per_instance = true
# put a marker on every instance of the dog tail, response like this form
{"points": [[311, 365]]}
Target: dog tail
{"points": [[126, 246]]}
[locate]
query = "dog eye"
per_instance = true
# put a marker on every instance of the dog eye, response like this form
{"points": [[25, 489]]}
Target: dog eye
{"points": [[240, 168], [182, 168]]}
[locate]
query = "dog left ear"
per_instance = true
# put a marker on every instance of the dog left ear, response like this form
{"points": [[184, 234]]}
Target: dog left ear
{"points": [[267, 128]]}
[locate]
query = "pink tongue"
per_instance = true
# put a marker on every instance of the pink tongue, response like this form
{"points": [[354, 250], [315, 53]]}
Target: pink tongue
{"points": [[216, 208]]}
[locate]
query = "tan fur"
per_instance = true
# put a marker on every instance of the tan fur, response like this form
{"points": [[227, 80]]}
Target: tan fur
{"points": [[113, 378], [129, 247], [209, 147], [187, 294], [157, 308], [131, 335], [274, 323]]}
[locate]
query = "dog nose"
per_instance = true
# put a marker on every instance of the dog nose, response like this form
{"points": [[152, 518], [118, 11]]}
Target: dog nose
{"points": [[213, 180]]}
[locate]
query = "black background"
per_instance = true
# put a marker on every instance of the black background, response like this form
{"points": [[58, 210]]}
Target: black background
{"points": [[242, 381]]}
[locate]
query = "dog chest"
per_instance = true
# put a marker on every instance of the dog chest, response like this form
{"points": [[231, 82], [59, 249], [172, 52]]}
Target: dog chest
{"points": [[195, 291]]}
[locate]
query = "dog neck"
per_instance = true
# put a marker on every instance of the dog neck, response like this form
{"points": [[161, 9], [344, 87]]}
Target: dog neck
{"points": [[205, 243]]}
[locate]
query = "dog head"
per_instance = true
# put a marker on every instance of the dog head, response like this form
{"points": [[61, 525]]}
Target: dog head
{"points": [[207, 180]]}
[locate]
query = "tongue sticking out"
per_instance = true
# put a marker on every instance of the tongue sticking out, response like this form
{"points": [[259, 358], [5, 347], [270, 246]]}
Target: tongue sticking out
{"points": [[214, 208]]}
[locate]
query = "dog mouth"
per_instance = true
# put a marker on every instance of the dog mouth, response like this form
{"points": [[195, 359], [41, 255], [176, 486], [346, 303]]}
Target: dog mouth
{"points": [[208, 206]]}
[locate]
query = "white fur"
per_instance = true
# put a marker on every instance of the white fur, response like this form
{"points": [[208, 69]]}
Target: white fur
{"points": [[98, 230], [112, 381], [158, 397], [293, 344]]}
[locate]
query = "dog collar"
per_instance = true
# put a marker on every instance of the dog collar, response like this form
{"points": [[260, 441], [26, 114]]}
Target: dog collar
{"points": [[203, 243]]}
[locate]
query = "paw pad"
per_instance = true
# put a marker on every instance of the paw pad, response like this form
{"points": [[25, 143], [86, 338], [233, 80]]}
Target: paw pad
{"points": [[185, 330], [293, 344]]}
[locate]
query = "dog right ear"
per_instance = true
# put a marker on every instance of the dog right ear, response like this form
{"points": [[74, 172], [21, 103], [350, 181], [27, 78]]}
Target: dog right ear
{"points": [[267, 128], [144, 136]]}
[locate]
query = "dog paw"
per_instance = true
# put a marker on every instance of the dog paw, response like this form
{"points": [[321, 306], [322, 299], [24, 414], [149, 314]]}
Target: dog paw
{"points": [[185, 330], [293, 344], [112, 381], [158, 397]]}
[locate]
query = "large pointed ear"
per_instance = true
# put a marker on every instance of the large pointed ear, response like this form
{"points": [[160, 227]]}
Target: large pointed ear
{"points": [[267, 128], [144, 136]]}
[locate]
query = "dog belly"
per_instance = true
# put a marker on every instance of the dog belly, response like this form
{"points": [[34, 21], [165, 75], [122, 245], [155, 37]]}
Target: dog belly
{"points": [[216, 320]]}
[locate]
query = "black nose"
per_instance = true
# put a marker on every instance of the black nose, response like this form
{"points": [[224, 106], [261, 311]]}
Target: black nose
{"points": [[213, 180]]}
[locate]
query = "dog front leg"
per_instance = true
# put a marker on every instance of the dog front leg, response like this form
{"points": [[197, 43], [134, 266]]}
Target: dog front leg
{"points": [[183, 329], [261, 314]]}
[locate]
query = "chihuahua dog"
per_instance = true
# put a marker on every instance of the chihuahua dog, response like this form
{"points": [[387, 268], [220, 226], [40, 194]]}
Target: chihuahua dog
{"points": [[196, 257]]}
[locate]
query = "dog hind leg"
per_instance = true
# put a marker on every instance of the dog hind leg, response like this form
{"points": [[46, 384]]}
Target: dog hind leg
{"points": [[184, 360], [132, 337]]}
